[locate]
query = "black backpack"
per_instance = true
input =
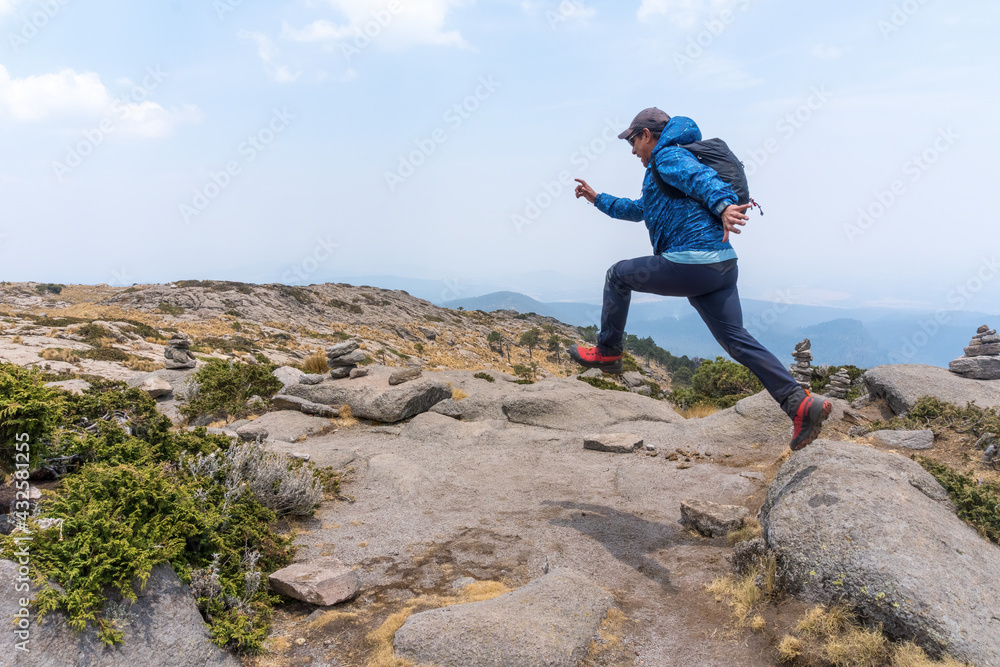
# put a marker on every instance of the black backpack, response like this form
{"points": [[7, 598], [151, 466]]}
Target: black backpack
{"points": [[715, 153]]}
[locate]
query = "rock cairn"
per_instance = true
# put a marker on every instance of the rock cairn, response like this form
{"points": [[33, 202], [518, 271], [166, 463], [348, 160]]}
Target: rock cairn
{"points": [[840, 384], [802, 370], [343, 358], [177, 352], [982, 356]]}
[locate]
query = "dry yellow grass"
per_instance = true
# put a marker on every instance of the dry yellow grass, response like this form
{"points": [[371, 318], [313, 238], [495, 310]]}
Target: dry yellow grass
{"points": [[346, 418], [751, 529], [911, 655], [17, 340], [142, 365], [59, 354], [698, 411], [457, 394], [824, 621], [789, 648], [741, 594], [858, 647], [316, 363]]}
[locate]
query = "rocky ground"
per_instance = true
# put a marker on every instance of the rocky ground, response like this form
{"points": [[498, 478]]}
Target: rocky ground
{"points": [[482, 531]]}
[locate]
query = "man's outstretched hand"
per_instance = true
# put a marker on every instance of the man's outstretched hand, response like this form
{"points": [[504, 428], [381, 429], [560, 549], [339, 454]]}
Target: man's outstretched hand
{"points": [[585, 191], [731, 217]]}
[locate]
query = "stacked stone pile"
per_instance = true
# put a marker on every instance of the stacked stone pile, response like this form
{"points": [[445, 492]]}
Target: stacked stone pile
{"points": [[982, 356], [343, 358], [177, 354], [840, 384], [802, 370]]}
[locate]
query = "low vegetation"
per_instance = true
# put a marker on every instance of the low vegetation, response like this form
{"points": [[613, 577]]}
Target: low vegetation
{"points": [[977, 501], [135, 494], [719, 383], [825, 636], [225, 386]]}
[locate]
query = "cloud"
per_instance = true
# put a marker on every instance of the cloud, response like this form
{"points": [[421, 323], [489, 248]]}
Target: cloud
{"points": [[7, 6], [61, 93], [81, 96], [712, 71], [268, 52], [397, 24], [687, 14]]}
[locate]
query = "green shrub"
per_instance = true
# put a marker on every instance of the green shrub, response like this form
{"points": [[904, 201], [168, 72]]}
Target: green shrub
{"points": [[484, 376], [349, 307], [971, 421], [49, 287], [433, 318], [630, 364], [224, 388], [978, 503], [300, 294], [601, 383], [95, 334], [419, 347], [721, 379], [26, 407], [170, 309]]}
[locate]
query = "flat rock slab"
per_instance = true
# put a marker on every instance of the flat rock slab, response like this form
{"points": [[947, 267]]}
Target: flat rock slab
{"points": [[872, 527], [403, 401], [404, 375], [164, 627], [323, 581], [549, 621], [977, 368], [908, 439], [287, 375], [617, 443], [289, 425], [901, 385], [156, 387], [712, 519], [576, 406]]}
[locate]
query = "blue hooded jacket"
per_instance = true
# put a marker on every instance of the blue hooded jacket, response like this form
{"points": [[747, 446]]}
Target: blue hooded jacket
{"points": [[677, 224]]}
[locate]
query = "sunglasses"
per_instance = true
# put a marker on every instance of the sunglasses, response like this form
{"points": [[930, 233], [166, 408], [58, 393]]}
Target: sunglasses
{"points": [[631, 140]]}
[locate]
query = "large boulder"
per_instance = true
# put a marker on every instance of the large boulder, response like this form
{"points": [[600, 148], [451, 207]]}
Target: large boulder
{"points": [[549, 621], [902, 385], [162, 627], [403, 401], [287, 425], [977, 368], [871, 527]]}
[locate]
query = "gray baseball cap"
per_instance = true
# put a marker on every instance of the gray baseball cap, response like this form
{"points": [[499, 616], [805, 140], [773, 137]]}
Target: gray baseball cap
{"points": [[652, 119]]}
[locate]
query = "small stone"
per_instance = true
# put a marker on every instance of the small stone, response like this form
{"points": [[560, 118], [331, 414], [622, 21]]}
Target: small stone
{"points": [[404, 375], [449, 408], [358, 373], [256, 404], [711, 519], [858, 431], [323, 581], [300, 641], [318, 409], [923, 439], [463, 582], [861, 401], [341, 372], [156, 387], [616, 443], [351, 359], [252, 433], [983, 329], [311, 378], [341, 349], [988, 337], [987, 350]]}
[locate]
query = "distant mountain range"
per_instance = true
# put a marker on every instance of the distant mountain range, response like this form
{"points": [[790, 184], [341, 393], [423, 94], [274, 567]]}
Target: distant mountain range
{"points": [[864, 337]]}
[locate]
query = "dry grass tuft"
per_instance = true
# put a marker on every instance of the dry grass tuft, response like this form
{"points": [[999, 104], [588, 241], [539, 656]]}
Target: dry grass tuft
{"points": [[741, 594], [698, 411], [316, 363], [346, 418], [909, 654], [59, 354], [789, 648], [751, 529], [858, 647], [142, 365], [17, 340], [826, 622], [457, 394]]}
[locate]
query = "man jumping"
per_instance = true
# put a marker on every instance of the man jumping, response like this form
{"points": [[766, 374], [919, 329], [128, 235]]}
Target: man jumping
{"points": [[692, 258]]}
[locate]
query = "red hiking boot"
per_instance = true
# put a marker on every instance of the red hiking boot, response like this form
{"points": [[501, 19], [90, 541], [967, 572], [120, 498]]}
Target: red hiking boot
{"points": [[808, 415], [589, 357]]}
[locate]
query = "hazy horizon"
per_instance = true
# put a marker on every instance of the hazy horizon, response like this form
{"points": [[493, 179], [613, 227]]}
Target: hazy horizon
{"points": [[293, 142]]}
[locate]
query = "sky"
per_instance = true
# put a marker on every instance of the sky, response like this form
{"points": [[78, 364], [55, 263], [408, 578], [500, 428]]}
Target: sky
{"points": [[308, 140]]}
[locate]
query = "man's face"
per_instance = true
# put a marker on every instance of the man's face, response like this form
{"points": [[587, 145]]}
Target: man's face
{"points": [[643, 145]]}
